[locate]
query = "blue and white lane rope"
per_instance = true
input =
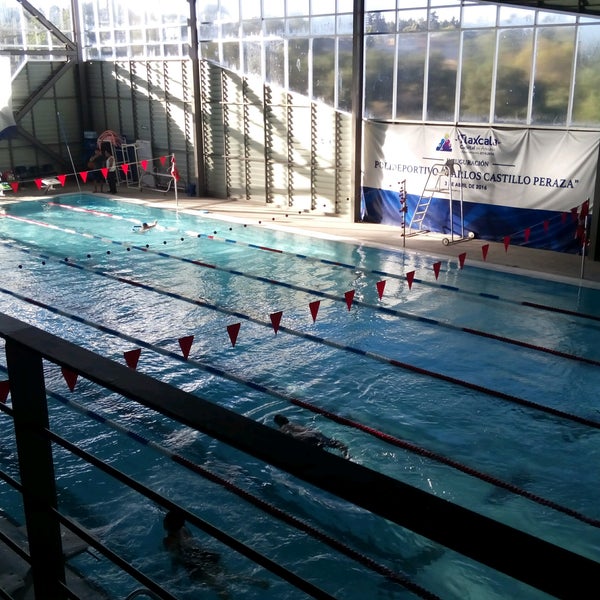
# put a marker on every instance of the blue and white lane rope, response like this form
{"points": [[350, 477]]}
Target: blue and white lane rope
{"points": [[318, 340], [358, 268], [325, 295]]}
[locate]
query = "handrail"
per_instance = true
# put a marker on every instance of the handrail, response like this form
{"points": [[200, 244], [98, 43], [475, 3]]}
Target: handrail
{"points": [[556, 570]]}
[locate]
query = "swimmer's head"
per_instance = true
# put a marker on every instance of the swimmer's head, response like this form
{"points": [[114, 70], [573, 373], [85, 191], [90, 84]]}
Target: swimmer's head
{"points": [[280, 420], [173, 521]]}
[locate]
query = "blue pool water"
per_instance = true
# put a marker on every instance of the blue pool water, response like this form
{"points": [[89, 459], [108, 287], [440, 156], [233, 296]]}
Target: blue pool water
{"points": [[485, 396]]}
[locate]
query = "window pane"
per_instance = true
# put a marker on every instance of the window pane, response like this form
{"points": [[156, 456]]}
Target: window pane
{"points": [[231, 55], [586, 100], [380, 22], [476, 76], [412, 48], [442, 19], [344, 74], [275, 27], [322, 25], [509, 15], [410, 21], [443, 67], [275, 62], [210, 51], [324, 69], [322, 7], [379, 75], [479, 15], [297, 8], [514, 74], [251, 9], [252, 58], [553, 72], [298, 66]]}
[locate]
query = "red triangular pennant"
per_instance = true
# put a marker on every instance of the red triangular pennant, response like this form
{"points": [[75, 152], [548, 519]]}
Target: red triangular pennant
{"points": [[185, 343], [314, 309], [410, 277], [233, 331], [436, 268], [484, 250], [70, 377], [380, 288], [125, 168], [104, 172], [349, 297], [275, 320], [62, 179], [4, 389], [38, 182], [14, 185], [132, 357], [163, 160], [461, 259], [527, 234], [144, 164], [83, 175], [506, 242]]}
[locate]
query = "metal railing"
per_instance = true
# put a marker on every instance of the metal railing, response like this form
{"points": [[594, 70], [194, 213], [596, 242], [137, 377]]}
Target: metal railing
{"points": [[522, 556]]}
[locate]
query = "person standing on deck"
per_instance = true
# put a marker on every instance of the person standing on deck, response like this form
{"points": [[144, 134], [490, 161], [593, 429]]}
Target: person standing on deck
{"points": [[111, 175]]}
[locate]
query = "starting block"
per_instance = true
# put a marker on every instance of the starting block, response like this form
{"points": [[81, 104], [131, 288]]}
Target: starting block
{"points": [[5, 187], [48, 184]]}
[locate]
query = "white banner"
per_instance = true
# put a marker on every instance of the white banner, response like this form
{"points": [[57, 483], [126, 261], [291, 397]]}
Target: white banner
{"points": [[518, 168]]}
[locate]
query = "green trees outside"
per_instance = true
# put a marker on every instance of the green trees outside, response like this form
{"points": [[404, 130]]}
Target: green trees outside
{"points": [[513, 74]]}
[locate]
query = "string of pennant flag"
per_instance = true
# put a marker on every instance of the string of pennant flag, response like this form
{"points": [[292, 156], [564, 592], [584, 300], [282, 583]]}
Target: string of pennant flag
{"points": [[125, 168]]}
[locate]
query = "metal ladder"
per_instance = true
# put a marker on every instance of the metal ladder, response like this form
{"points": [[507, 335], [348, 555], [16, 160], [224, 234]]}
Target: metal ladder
{"points": [[438, 182]]}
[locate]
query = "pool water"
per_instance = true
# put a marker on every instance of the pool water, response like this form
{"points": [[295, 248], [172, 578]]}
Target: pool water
{"points": [[487, 382]]}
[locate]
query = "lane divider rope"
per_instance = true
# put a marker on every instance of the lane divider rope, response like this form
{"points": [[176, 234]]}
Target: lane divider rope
{"points": [[318, 340], [325, 295], [392, 440], [378, 272]]}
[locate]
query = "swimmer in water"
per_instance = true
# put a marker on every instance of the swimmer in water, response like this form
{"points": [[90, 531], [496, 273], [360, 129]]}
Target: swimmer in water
{"points": [[202, 565], [311, 436], [144, 226]]}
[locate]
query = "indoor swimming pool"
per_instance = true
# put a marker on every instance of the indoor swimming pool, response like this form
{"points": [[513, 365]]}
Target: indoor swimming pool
{"points": [[477, 386]]}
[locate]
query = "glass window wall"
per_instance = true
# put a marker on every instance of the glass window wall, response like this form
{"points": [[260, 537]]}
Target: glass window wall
{"points": [[433, 60]]}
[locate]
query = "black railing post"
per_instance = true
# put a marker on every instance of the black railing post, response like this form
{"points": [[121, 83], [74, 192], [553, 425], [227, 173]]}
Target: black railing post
{"points": [[30, 410]]}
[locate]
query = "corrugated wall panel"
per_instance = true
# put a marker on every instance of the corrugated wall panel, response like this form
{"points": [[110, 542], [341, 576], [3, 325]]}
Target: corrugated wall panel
{"points": [[299, 143], [213, 130], [343, 163]]}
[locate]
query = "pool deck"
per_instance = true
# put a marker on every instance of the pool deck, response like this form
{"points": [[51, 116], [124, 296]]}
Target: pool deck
{"points": [[548, 264]]}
